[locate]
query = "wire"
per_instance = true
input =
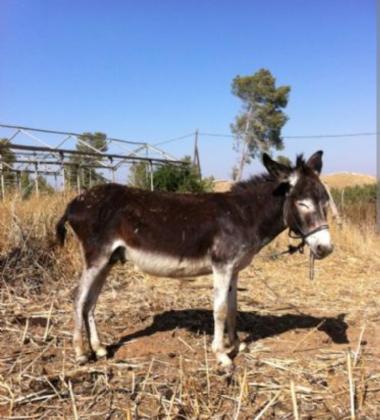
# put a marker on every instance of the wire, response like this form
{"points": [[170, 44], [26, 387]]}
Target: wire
{"points": [[174, 139], [319, 136], [215, 135], [308, 136]]}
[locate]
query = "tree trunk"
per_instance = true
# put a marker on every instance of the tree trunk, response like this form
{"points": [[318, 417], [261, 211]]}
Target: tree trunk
{"points": [[244, 148]]}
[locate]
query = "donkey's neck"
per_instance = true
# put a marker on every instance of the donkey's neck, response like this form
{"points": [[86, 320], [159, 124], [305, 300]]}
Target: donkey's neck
{"points": [[265, 211]]}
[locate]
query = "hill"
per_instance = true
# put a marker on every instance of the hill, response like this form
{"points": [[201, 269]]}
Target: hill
{"points": [[334, 180], [347, 179]]}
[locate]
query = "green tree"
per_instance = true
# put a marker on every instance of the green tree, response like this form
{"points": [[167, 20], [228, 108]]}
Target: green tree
{"points": [[88, 176], [258, 127], [7, 159], [170, 178], [28, 185], [139, 176], [284, 160]]}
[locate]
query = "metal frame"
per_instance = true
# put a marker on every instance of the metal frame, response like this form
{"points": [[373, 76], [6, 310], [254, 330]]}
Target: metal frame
{"points": [[45, 155]]}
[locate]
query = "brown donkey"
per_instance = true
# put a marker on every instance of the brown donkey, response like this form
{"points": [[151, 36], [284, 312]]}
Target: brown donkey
{"points": [[182, 235]]}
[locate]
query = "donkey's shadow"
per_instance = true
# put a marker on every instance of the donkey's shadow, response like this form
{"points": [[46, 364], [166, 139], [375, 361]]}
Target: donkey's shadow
{"points": [[256, 325]]}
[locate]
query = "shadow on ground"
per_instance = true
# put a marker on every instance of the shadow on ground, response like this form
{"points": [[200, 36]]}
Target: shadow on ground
{"points": [[257, 326]]}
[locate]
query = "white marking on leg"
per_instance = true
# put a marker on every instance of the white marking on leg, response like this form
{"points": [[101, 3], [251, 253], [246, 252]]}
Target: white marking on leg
{"points": [[89, 312], [87, 279], [96, 345], [222, 280]]}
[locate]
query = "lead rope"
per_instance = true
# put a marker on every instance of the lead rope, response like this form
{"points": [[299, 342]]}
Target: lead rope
{"points": [[292, 249], [311, 266]]}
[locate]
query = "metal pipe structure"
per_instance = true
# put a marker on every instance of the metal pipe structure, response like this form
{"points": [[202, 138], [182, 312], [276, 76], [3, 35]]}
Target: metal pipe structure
{"points": [[31, 158], [109, 156], [2, 178], [64, 133], [29, 171]]}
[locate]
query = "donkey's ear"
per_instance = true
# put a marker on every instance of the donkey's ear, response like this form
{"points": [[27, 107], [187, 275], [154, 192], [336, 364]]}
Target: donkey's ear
{"points": [[277, 170], [315, 162]]}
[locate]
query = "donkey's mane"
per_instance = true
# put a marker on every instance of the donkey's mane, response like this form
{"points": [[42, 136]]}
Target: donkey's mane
{"points": [[254, 181], [300, 161], [260, 179]]}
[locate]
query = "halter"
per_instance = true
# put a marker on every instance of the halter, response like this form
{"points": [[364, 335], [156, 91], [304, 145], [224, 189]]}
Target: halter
{"points": [[300, 247], [292, 234]]}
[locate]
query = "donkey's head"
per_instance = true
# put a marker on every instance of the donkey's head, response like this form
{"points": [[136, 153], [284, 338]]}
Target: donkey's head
{"points": [[306, 201]]}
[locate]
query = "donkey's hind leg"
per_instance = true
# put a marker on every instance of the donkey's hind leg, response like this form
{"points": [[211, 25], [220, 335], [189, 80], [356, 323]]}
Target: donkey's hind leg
{"points": [[233, 338], [92, 279], [89, 312]]}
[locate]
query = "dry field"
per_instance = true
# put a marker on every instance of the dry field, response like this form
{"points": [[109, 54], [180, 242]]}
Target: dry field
{"points": [[313, 347], [333, 180]]}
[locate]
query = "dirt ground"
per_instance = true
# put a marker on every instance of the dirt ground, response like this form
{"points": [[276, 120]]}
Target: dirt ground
{"points": [[313, 346]]}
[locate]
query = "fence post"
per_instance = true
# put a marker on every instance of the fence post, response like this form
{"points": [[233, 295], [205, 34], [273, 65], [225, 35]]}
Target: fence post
{"points": [[36, 179], [151, 175], [63, 173], [78, 179], [196, 159], [18, 180], [89, 177], [2, 178]]}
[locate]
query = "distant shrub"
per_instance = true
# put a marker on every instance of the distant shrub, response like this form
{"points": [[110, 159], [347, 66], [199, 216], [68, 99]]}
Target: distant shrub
{"points": [[356, 194], [170, 178], [357, 203]]}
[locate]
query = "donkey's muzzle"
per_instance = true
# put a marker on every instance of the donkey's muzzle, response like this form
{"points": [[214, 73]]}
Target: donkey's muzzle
{"points": [[322, 251], [319, 241]]}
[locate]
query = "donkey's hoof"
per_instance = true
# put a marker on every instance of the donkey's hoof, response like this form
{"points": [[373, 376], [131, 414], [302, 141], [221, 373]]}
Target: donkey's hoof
{"points": [[82, 359], [101, 352], [235, 348], [224, 360], [243, 347]]}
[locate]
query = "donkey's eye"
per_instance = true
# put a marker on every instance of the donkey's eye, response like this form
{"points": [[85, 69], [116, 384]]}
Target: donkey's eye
{"points": [[304, 205]]}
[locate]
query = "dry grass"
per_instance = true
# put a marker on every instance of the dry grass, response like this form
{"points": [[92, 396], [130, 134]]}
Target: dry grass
{"points": [[347, 179], [313, 346]]}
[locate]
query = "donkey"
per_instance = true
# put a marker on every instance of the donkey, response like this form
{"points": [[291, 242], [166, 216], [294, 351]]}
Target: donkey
{"points": [[183, 235]]}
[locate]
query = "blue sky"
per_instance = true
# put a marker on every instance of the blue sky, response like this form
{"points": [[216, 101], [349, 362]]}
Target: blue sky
{"points": [[151, 71]]}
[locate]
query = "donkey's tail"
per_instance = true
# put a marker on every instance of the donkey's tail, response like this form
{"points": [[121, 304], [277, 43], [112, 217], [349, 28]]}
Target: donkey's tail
{"points": [[60, 229]]}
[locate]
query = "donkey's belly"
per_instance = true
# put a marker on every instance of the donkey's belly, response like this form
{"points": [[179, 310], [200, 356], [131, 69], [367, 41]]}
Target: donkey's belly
{"points": [[168, 266]]}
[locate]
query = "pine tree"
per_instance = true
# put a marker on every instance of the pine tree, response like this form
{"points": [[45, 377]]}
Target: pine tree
{"points": [[258, 127]]}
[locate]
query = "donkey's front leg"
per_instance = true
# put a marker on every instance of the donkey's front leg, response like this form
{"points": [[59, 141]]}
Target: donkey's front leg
{"points": [[232, 312], [223, 275]]}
